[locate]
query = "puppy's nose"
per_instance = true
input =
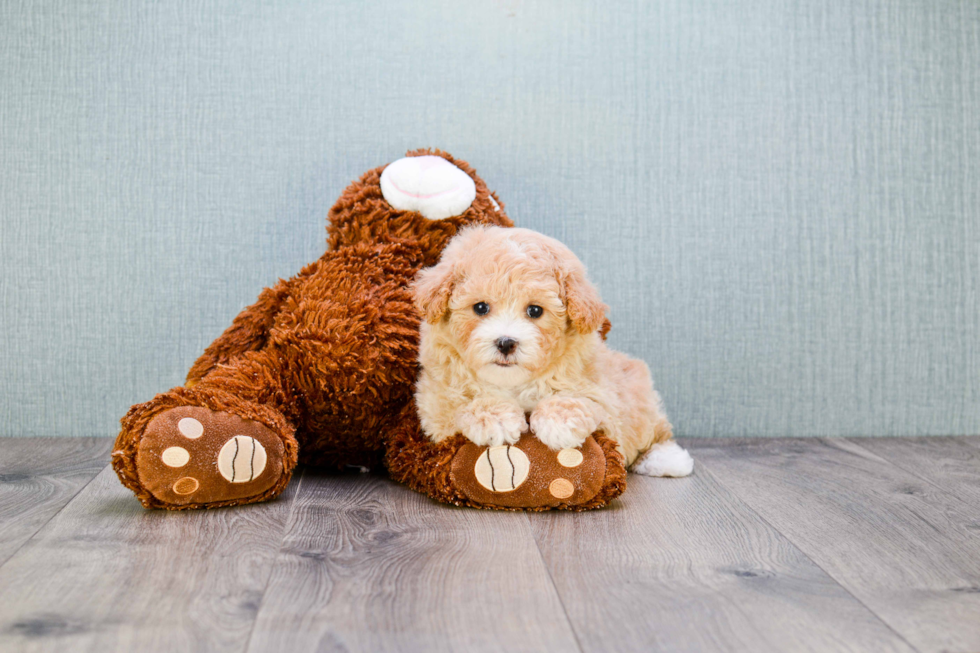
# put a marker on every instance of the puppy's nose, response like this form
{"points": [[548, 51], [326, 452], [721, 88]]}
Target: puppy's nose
{"points": [[505, 345]]}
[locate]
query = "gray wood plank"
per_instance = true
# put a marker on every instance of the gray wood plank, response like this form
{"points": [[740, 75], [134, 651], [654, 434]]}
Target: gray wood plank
{"points": [[683, 565], [105, 574], [906, 549], [951, 463], [38, 476], [368, 565]]}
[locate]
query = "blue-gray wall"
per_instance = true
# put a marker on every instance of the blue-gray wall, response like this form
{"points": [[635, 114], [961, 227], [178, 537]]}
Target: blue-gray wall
{"points": [[779, 199]]}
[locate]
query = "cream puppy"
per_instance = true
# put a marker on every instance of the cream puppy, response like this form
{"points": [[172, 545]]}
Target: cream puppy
{"points": [[511, 327]]}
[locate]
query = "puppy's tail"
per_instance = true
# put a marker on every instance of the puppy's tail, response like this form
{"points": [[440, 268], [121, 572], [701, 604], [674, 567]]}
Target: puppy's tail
{"points": [[665, 458]]}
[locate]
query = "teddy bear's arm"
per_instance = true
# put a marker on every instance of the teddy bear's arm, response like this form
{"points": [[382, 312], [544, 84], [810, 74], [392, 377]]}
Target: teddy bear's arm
{"points": [[248, 332]]}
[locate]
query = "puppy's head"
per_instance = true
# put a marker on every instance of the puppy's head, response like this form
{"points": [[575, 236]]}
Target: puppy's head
{"points": [[509, 302]]}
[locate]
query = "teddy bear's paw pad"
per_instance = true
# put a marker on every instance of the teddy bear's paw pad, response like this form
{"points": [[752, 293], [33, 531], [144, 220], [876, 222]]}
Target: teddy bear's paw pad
{"points": [[502, 469], [192, 455], [529, 474]]}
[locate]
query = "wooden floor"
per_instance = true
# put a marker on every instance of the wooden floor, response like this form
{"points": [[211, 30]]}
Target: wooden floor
{"points": [[772, 545]]}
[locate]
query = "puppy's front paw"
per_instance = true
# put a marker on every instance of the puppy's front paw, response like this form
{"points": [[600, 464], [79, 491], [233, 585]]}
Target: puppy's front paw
{"points": [[564, 422], [491, 422]]}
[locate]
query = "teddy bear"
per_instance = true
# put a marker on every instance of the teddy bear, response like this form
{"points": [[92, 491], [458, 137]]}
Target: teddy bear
{"points": [[320, 371]]}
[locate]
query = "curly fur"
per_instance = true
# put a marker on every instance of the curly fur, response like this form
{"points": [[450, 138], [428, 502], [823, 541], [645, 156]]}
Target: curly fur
{"points": [[561, 372], [327, 359]]}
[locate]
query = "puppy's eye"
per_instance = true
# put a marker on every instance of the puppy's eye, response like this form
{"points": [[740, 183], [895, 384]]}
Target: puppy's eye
{"points": [[481, 308], [534, 311]]}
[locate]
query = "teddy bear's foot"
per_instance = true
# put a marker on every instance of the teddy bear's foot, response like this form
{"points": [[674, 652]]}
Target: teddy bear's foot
{"points": [[529, 474], [196, 457]]}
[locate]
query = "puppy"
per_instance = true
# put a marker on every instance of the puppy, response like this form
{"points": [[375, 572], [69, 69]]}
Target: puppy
{"points": [[511, 327]]}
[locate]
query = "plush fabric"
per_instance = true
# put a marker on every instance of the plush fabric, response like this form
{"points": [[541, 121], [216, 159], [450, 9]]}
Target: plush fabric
{"points": [[427, 468], [323, 365]]}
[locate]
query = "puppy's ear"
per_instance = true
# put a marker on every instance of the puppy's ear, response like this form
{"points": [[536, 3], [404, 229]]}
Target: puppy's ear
{"points": [[432, 288], [585, 308]]}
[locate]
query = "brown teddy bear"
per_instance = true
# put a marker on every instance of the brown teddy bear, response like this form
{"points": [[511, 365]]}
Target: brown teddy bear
{"points": [[320, 370]]}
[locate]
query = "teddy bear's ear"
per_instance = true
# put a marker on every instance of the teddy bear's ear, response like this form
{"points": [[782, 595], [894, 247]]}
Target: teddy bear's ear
{"points": [[428, 184], [432, 289], [585, 308]]}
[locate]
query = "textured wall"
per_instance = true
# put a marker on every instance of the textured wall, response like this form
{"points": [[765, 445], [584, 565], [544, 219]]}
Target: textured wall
{"points": [[780, 200]]}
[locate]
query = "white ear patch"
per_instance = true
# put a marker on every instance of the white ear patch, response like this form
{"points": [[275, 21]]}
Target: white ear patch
{"points": [[428, 184]]}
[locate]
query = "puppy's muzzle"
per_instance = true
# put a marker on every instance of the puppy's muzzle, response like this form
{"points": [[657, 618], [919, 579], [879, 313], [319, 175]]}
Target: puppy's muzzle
{"points": [[506, 345]]}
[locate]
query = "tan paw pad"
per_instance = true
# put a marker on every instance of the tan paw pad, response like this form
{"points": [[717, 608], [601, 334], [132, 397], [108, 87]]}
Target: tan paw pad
{"points": [[175, 457], [561, 488], [502, 469], [242, 459], [186, 485], [570, 457], [190, 428]]}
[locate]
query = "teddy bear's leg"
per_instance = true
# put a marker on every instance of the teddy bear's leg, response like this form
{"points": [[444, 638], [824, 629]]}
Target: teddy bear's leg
{"points": [[228, 440], [248, 332], [527, 475]]}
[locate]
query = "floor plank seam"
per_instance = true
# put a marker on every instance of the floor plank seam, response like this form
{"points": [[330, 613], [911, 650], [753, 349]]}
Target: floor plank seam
{"points": [[944, 491], [793, 543], [547, 569], [875, 511], [40, 528], [272, 568]]}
